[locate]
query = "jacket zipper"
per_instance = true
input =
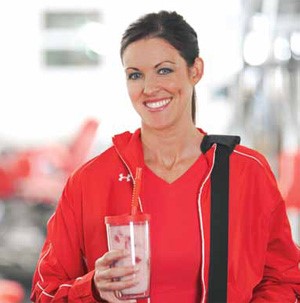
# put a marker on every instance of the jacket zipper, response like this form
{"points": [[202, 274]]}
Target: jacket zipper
{"points": [[130, 172], [203, 293], [132, 178]]}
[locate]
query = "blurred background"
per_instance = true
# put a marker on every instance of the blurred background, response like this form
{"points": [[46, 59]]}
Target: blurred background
{"points": [[63, 96]]}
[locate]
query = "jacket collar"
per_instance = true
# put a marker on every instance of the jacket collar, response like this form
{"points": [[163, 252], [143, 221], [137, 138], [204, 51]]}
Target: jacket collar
{"points": [[129, 148]]}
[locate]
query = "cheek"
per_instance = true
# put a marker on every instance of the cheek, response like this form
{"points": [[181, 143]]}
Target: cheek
{"points": [[170, 85], [184, 86], [176, 83], [176, 86], [134, 91]]}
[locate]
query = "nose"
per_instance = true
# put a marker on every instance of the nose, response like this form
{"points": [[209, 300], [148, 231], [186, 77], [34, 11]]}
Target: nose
{"points": [[151, 85]]}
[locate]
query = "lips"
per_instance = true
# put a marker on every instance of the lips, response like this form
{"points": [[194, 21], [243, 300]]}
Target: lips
{"points": [[157, 105]]}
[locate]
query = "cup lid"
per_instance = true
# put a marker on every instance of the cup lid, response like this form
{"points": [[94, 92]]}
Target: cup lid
{"points": [[125, 219]]}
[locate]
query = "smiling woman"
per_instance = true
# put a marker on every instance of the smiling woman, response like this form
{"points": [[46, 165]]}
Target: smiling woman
{"points": [[151, 27], [161, 84], [160, 56]]}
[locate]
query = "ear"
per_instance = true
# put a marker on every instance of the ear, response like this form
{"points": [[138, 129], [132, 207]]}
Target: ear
{"points": [[196, 71]]}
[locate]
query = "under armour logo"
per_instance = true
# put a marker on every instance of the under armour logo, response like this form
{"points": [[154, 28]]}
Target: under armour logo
{"points": [[122, 177]]}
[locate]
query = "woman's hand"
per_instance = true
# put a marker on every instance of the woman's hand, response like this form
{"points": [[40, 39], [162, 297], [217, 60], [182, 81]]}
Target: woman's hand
{"points": [[106, 277]]}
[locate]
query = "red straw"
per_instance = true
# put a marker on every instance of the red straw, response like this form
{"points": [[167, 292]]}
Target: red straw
{"points": [[136, 191]]}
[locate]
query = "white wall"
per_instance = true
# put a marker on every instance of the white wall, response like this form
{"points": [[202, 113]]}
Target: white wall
{"points": [[40, 105]]}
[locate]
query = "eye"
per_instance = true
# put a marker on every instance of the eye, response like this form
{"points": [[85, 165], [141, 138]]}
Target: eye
{"points": [[134, 76], [165, 71]]}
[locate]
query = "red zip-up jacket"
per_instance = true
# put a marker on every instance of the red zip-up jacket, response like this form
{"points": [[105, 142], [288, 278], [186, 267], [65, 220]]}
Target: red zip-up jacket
{"points": [[263, 261]]}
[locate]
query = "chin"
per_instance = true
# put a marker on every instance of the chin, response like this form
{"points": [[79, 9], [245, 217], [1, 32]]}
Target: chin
{"points": [[157, 125]]}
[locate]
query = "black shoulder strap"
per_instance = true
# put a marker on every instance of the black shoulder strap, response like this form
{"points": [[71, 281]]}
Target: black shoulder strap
{"points": [[229, 141], [217, 287]]}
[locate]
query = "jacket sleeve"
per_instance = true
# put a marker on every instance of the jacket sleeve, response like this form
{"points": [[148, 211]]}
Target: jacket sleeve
{"points": [[61, 274], [281, 279]]}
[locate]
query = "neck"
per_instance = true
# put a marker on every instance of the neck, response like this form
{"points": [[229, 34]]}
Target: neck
{"points": [[168, 147]]}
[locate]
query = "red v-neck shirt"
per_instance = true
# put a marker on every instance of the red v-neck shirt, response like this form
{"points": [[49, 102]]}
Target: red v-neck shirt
{"points": [[175, 234]]}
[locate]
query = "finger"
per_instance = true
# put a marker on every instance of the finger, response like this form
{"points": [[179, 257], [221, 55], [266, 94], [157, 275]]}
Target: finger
{"points": [[109, 285], [110, 258], [115, 272]]}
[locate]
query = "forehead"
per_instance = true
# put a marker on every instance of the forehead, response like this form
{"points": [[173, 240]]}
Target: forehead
{"points": [[150, 51]]}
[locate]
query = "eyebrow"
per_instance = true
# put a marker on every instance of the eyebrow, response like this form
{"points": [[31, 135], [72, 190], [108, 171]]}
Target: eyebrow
{"points": [[155, 66], [167, 61]]}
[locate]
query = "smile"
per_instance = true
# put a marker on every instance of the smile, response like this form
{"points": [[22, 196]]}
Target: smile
{"points": [[157, 104]]}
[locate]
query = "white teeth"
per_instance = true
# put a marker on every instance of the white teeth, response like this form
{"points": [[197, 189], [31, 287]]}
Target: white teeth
{"points": [[158, 104]]}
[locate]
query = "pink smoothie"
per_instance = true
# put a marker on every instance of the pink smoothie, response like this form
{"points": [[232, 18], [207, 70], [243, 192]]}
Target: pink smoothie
{"points": [[131, 233]]}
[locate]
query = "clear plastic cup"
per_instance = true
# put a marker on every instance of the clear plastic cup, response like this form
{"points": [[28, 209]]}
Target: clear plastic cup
{"points": [[131, 233]]}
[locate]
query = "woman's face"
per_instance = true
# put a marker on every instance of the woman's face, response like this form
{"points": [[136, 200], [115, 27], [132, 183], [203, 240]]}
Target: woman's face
{"points": [[159, 82]]}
